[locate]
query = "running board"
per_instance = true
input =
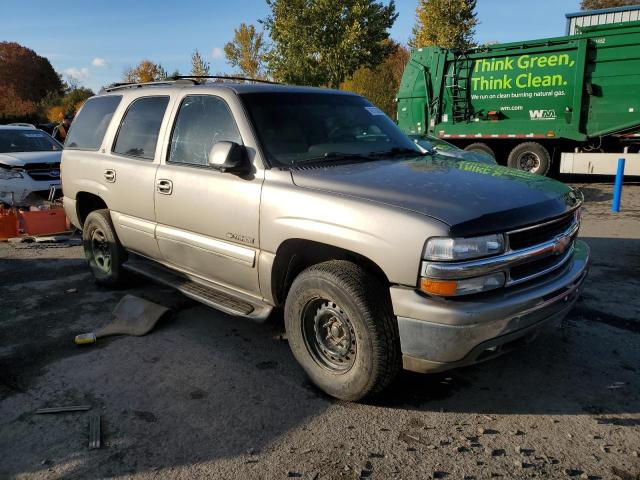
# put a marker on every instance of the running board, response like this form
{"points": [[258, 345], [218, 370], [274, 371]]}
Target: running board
{"points": [[209, 295]]}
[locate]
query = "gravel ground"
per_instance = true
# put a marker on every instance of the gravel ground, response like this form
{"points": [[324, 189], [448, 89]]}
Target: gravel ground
{"points": [[207, 395]]}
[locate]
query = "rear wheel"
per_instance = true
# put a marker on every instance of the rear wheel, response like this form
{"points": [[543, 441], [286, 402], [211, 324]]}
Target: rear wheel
{"points": [[481, 147], [102, 249], [530, 157], [342, 330]]}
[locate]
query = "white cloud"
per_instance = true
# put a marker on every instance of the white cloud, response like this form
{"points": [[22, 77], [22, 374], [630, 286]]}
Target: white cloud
{"points": [[99, 62], [217, 53], [77, 73]]}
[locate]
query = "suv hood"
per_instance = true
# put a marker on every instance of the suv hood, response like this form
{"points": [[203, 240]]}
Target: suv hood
{"points": [[20, 159], [471, 197]]}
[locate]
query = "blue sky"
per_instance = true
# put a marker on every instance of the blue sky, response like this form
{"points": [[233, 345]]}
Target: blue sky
{"points": [[95, 41]]}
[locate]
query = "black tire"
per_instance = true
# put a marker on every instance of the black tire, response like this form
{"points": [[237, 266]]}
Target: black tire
{"points": [[102, 249], [481, 147], [356, 305], [530, 157]]}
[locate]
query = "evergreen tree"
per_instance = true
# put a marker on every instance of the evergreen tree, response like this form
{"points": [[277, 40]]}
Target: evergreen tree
{"points": [[199, 67]]}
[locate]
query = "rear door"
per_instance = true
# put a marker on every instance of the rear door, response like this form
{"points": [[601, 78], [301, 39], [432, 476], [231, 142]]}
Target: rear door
{"points": [[207, 220], [129, 170]]}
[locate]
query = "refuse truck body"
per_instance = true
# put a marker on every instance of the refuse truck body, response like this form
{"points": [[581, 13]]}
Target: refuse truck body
{"points": [[574, 98]]}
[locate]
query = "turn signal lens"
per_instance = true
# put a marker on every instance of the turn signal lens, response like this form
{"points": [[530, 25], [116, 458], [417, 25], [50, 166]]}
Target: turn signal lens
{"points": [[445, 288], [466, 286]]}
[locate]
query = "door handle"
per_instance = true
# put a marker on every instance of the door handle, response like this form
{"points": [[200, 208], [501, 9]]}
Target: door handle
{"points": [[164, 186], [110, 175]]}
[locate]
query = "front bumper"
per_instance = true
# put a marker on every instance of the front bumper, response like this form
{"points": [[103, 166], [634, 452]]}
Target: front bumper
{"points": [[16, 190], [440, 334]]}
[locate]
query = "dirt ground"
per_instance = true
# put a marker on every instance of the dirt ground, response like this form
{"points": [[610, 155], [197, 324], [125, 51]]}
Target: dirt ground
{"points": [[207, 395]]}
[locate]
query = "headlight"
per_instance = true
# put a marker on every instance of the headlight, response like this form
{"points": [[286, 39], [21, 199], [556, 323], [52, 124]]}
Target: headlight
{"points": [[9, 174], [466, 286], [444, 248]]}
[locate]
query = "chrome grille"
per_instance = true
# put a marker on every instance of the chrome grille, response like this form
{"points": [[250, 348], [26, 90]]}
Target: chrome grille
{"points": [[559, 234], [44, 172], [529, 236]]}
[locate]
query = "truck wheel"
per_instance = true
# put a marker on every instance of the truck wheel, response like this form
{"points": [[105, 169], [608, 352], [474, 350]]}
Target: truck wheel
{"points": [[530, 157], [102, 249], [481, 147], [342, 330]]}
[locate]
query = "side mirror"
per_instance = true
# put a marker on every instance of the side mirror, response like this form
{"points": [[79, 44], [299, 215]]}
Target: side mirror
{"points": [[229, 157]]}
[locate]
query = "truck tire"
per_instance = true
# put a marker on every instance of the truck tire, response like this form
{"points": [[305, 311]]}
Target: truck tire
{"points": [[481, 147], [530, 157], [342, 330], [102, 249]]}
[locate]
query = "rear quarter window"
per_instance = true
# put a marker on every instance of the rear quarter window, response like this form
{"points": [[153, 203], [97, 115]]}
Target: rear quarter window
{"points": [[88, 128]]}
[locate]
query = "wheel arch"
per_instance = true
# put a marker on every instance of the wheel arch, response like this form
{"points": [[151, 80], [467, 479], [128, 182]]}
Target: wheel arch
{"points": [[86, 203], [296, 254]]}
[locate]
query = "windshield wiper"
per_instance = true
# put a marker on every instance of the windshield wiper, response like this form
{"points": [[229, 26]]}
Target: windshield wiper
{"points": [[398, 151], [333, 156]]}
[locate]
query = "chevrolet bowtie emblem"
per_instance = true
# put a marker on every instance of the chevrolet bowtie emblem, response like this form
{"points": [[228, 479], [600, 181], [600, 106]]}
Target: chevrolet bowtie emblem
{"points": [[561, 245]]}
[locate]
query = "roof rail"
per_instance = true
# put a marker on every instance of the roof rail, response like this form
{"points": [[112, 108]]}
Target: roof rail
{"points": [[223, 77], [170, 81]]}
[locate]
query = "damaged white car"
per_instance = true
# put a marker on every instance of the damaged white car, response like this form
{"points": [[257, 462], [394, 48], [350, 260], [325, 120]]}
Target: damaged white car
{"points": [[29, 165]]}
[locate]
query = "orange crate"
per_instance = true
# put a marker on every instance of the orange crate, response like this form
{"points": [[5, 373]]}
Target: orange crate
{"points": [[8, 224], [44, 222]]}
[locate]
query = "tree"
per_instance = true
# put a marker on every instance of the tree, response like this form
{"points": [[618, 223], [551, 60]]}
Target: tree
{"points": [[26, 79], [145, 71], [380, 84], [323, 42], [444, 23], [199, 68], [598, 4], [247, 51]]}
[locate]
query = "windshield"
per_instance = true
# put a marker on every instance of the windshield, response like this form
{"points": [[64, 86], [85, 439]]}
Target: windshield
{"points": [[302, 127], [27, 140]]}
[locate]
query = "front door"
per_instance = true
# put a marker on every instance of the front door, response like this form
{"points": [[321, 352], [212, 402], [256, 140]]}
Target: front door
{"points": [[207, 221]]}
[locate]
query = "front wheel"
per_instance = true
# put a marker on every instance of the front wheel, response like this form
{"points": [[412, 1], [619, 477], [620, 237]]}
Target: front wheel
{"points": [[342, 330], [530, 157], [102, 249]]}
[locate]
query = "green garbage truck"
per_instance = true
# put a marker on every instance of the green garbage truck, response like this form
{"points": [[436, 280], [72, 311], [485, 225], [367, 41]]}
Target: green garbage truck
{"points": [[573, 99]]}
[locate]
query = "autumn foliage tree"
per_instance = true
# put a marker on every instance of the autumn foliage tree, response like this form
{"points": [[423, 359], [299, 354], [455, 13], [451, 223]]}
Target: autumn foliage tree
{"points": [[380, 84], [247, 51], [145, 71], [598, 4], [26, 79], [444, 23]]}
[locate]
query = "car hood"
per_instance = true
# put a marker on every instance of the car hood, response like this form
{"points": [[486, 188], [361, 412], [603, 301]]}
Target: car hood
{"points": [[20, 159], [472, 198]]}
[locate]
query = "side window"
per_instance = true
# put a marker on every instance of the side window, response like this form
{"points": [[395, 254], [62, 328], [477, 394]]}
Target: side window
{"points": [[202, 121], [88, 128], [138, 133]]}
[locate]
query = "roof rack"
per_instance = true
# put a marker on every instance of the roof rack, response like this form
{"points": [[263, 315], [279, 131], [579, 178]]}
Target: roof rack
{"points": [[224, 77], [171, 81]]}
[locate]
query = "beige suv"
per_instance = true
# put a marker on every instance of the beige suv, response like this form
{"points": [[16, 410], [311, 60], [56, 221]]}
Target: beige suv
{"points": [[248, 197]]}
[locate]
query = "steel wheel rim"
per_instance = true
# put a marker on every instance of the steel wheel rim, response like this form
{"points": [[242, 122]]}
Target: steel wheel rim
{"points": [[100, 250], [529, 162], [329, 335]]}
